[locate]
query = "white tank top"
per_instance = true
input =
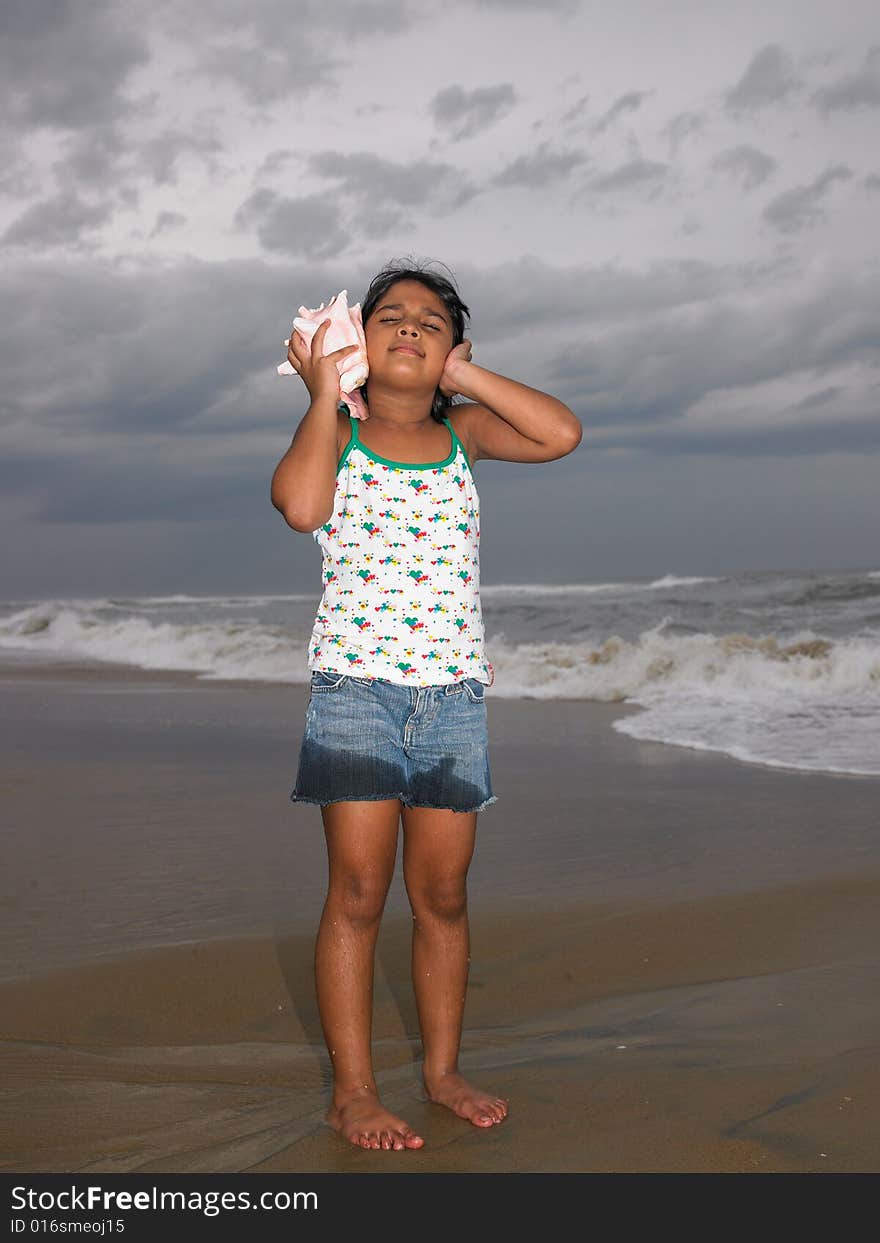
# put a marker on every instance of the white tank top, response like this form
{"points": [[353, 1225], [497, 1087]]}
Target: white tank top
{"points": [[401, 571]]}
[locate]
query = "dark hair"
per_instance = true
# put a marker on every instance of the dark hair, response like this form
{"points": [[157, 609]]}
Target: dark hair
{"points": [[410, 269]]}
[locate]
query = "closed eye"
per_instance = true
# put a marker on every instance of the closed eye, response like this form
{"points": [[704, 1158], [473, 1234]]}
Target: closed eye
{"points": [[390, 320]]}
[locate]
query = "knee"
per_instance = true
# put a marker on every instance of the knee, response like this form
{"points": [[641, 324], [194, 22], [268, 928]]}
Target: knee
{"points": [[359, 900], [444, 900]]}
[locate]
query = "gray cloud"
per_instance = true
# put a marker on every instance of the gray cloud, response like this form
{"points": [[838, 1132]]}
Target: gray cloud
{"points": [[572, 113], [104, 157], [160, 154], [141, 387], [58, 221], [684, 125], [276, 162], [539, 167], [120, 384], [271, 51], [266, 75], [630, 102], [464, 113], [527, 292], [118, 488], [271, 19], [17, 176], [92, 156], [852, 91], [769, 78], [821, 397], [167, 220], [801, 207], [632, 175], [652, 371], [378, 192], [181, 364], [856, 434], [746, 164], [563, 7], [377, 222], [310, 226], [65, 64], [164, 346], [778, 437]]}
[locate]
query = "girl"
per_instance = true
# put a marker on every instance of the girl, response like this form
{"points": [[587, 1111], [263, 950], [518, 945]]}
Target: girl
{"points": [[396, 721]]}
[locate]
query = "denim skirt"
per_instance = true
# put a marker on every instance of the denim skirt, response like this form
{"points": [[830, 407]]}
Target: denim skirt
{"points": [[367, 739]]}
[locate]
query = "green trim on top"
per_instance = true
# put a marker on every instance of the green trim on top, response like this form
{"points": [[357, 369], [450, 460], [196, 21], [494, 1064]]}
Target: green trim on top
{"points": [[458, 442], [354, 439]]}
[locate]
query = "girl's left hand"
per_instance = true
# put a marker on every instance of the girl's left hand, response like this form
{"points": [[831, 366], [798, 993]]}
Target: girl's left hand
{"points": [[452, 371]]}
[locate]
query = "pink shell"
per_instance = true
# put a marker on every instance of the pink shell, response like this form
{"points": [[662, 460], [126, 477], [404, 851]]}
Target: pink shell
{"points": [[346, 328]]}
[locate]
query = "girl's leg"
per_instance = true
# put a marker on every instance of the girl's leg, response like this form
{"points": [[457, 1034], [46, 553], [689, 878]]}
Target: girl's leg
{"points": [[361, 847], [437, 850]]}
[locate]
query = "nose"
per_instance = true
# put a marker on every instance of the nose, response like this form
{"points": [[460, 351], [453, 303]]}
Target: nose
{"points": [[403, 331]]}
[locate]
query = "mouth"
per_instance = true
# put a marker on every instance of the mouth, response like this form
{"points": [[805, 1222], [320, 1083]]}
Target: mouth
{"points": [[406, 349]]}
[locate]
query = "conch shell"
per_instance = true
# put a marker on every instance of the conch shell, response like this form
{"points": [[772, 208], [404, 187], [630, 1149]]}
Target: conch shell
{"points": [[346, 328]]}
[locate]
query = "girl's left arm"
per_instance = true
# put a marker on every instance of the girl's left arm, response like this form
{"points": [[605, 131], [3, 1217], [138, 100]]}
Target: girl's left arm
{"points": [[508, 415]]}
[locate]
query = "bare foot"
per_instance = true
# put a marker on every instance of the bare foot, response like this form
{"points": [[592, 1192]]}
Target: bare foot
{"points": [[361, 1119], [464, 1099]]}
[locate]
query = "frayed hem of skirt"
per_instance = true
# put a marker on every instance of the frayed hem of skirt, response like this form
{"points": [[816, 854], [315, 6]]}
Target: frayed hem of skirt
{"points": [[378, 798]]}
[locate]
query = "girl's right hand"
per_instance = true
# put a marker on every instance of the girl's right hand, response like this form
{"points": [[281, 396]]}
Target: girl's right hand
{"points": [[317, 370]]}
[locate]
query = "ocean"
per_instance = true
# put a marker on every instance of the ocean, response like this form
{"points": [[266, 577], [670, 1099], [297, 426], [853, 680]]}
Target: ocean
{"points": [[772, 668]]}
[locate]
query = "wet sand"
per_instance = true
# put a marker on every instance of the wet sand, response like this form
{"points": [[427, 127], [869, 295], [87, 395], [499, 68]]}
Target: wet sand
{"points": [[674, 961]]}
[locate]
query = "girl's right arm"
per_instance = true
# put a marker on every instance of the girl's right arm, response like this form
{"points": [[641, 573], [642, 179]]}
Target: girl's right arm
{"points": [[305, 479]]}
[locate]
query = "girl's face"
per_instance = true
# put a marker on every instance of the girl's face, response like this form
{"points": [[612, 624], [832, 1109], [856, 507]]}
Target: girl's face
{"points": [[413, 316]]}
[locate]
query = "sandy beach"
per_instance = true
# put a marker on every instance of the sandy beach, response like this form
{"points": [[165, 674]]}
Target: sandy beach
{"points": [[674, 960]]}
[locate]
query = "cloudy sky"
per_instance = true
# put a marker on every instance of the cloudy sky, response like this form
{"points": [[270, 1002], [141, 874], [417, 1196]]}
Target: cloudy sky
{"points": [[665, 215]]}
